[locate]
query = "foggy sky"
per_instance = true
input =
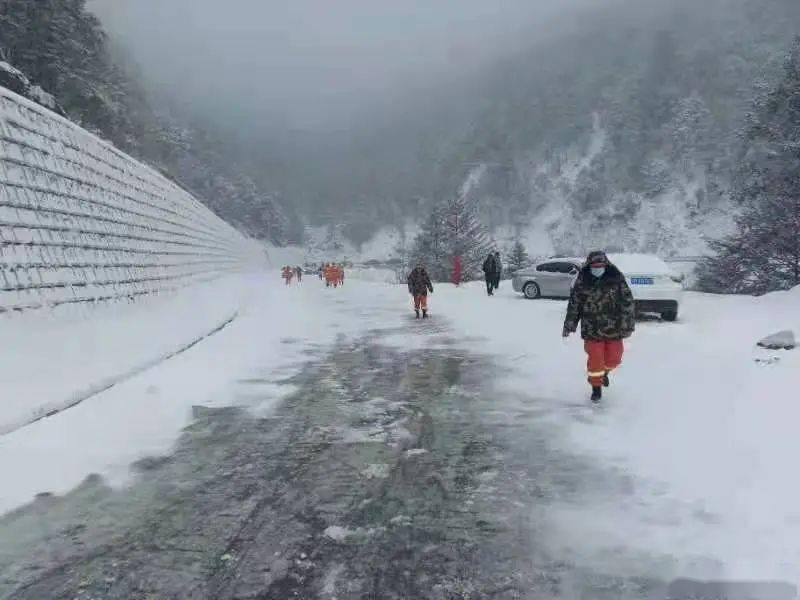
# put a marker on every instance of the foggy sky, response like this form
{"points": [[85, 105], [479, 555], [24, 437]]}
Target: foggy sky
{"points": [[318, 64]]}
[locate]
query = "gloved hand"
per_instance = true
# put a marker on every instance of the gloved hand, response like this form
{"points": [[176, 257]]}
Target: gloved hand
{"points": [[565, 333]]}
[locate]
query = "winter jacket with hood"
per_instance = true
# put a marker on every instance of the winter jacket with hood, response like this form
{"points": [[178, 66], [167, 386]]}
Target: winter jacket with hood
{"points": [[488, 265], [419, 283], [603, 305], [498, 266]]}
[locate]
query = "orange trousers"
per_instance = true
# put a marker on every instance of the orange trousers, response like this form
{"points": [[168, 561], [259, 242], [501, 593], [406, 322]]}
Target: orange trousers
{"points": [[421, 302], [604, 356]]}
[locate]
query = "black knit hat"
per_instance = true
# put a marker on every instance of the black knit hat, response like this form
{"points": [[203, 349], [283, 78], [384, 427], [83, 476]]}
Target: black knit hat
{"points": [[596, 257]]}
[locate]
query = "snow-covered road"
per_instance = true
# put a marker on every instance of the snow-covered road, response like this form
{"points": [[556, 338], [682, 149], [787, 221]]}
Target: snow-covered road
{"points": [[368, 453]]}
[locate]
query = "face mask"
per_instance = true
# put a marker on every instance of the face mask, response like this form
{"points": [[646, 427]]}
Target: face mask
{"points": [[598, 271]]}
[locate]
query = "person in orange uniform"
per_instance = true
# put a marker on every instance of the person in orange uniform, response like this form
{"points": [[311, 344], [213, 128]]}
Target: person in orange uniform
{"points": [[603, 304], [331, 276], [288, 273], [419, 284]]}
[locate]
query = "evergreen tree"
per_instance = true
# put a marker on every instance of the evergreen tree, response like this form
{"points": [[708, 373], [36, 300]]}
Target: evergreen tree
{"points": [[430, 247], [764, 253], [690, 133], [452, 229], [518, 256]]}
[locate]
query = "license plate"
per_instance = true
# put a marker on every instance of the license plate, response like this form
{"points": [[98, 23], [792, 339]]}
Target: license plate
{"points": [[642, 280]]}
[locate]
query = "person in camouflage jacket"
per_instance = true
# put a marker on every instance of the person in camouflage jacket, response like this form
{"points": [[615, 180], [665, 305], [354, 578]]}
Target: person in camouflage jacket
{"points": [[603, 303], [419, 283]]}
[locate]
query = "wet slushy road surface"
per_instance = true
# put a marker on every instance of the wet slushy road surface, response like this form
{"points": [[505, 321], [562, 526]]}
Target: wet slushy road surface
{"points": [[388, 472]]}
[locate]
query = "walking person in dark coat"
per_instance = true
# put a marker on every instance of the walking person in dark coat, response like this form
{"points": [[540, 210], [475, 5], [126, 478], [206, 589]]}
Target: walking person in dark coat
{"points": [[498, 271], [603, 303], [489, 272], [419, 284]]}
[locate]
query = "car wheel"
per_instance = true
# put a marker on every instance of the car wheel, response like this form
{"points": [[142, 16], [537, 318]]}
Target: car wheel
{"points": [[531, 290], [670, 315]]}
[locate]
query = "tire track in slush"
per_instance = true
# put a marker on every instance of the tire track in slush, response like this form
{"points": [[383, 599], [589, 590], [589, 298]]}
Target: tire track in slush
{"points": [[385, 474]]}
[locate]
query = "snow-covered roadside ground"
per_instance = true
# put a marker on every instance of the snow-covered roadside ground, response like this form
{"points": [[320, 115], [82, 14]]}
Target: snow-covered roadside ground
{"points": [[53, 359], [144, 415], [708, 435]]}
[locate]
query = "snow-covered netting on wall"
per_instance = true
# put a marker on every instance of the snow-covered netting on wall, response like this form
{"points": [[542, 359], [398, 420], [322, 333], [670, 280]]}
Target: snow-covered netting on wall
{"points": [[81, 222], [147, 269]]}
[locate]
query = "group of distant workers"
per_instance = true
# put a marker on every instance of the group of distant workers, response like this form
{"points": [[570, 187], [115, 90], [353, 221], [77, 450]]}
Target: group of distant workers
{"points": [[289, 273], [331, 273]]}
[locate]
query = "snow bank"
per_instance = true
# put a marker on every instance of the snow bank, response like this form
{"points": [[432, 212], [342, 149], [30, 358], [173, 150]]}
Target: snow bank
{"points": [[702, 422], [374, 275], [106, 266], [57, 360], [274, 335]]}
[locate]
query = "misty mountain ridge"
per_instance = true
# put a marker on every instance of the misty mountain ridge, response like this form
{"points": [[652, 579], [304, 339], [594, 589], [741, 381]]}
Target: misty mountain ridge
{"points": [[624, 137], [59, 48], [626, 133], [621, 131]]}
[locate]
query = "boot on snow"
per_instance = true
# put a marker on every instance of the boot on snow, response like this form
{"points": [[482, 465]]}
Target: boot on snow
{"points": [[606, 380], [417, 311], [597, 394], [424, 314]]}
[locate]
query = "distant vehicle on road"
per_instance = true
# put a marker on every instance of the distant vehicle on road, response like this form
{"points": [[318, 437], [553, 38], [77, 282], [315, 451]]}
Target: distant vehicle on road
{"points": [[552, 278], [656, 288]]}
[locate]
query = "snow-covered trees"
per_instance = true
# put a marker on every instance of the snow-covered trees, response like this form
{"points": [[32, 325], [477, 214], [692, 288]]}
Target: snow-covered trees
{"points": [[690, 132], [62, 47], [452, 229], [517, 258], [764, 253]]}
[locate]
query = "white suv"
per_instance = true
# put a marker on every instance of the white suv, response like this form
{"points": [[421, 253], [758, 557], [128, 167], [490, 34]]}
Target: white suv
{"points": [[655, 287]]}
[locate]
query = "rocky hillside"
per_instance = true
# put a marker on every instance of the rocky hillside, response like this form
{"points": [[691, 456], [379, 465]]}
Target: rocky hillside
{"points": [[623, 132], [57, 47]]}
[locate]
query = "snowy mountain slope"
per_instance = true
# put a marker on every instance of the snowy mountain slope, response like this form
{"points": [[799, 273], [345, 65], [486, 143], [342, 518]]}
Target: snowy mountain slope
{"points": [[15, 80], [573, 211], [328, 243]]}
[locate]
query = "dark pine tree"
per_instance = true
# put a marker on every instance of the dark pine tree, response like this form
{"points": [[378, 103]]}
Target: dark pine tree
{"points": [[453, 229], [763, 254], [518, 256]]}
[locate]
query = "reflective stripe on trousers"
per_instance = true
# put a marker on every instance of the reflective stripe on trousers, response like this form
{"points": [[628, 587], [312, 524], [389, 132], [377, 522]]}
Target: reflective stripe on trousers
{"points": [[603, 356]]}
